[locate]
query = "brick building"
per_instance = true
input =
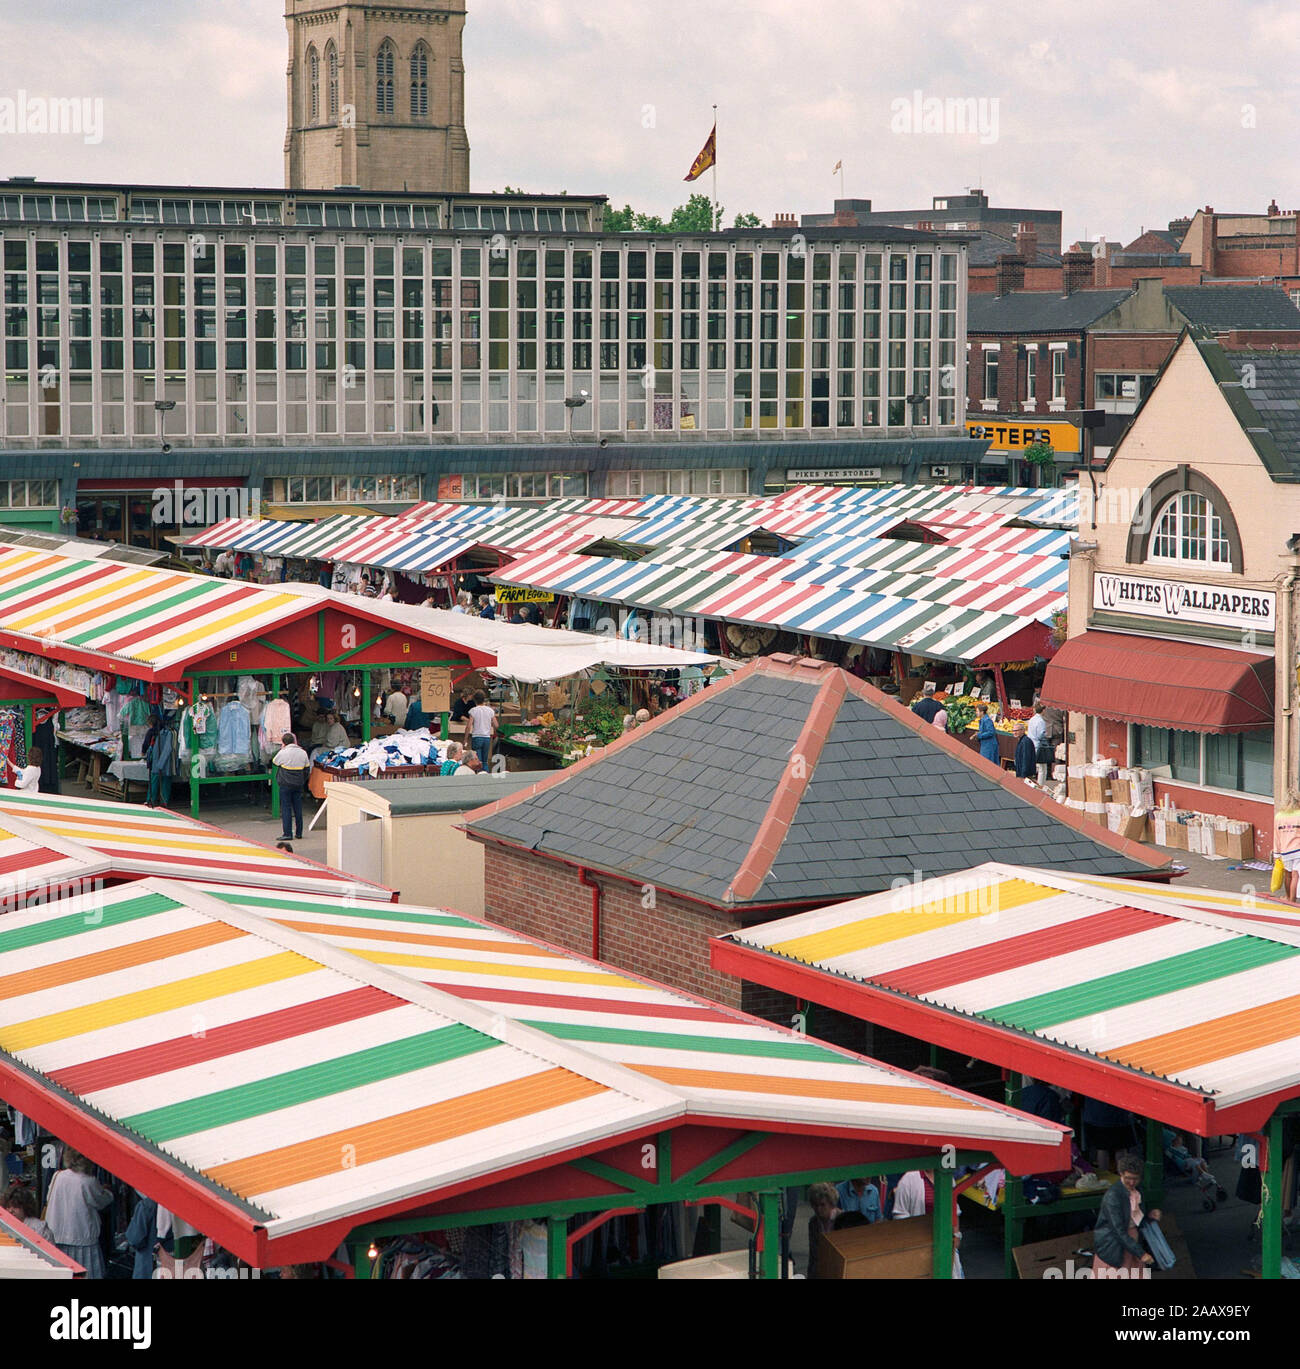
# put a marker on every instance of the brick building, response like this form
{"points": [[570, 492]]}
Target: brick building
{"points": [[1070, 368], [789, 786]]}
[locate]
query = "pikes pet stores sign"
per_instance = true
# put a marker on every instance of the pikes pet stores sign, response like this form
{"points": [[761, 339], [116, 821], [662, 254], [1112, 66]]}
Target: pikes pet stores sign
{"points": [[1179, 601]]}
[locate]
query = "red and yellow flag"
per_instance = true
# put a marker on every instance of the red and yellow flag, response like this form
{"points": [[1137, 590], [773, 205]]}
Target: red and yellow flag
{"points": [[708, 155]]}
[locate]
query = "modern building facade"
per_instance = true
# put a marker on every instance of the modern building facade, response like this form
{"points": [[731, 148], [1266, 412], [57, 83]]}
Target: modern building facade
{"points": [[197, 320], [376, 96]]}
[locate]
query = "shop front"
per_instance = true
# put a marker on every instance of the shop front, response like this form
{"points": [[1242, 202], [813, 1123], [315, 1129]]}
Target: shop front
{"points": [[1011, 439], [1178, 673]]}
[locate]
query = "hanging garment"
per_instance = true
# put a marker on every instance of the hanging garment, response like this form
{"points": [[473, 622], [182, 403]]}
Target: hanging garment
{"points": [[134, 725], [252, 694], [198, 729], [275, 723], [234, 730]]}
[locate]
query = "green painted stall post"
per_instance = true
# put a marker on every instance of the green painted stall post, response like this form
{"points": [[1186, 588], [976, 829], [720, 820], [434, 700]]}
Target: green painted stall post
{"points": [[275, 788], [27, 726], [1153, 1180], [445, 730], [365, 706], [769, 1211], [557, 1247], [1013, 1194], [1270, 1215], [943, 1221]]}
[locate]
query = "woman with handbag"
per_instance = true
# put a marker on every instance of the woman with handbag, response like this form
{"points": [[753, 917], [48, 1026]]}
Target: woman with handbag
{"points": [[1117, 1237]]}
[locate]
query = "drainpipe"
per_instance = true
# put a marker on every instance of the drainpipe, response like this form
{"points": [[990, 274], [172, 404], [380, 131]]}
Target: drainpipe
{"points": [[1288, 663], [587, 882]]}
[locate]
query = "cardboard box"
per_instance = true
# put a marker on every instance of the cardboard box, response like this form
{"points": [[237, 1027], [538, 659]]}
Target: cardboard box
{"points": [[1236, 845], [1133, 826], [1074, 788], [884, 1250], [1119, 791], [1175, 835], [1096, 789]]}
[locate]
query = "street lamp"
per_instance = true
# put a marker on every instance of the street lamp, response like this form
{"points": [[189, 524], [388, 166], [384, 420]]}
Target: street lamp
{"points": [[163, 406], [574, 402]]}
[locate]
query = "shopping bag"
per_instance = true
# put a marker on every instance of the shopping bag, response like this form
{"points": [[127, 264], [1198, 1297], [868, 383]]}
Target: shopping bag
{"points": [[1157, 1245]]}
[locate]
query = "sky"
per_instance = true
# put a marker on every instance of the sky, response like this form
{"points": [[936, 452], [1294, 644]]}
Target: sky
{"points": [[1124, 114]]}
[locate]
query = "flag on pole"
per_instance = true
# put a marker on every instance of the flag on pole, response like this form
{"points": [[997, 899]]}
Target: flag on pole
{"points": [[839, 166], [708, 156]]}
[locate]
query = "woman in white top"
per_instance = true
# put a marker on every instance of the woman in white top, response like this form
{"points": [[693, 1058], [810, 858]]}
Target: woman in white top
{"points": [[72, 1210], [26, 776]]}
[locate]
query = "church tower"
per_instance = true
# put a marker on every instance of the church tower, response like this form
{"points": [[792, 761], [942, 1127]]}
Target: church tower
{"points": [[376, 96]]}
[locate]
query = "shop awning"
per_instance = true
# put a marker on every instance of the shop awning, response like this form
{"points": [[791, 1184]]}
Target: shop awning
{"points": [[1161, 683]]}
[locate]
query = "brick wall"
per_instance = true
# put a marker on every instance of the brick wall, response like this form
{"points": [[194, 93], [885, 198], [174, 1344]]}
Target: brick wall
{"points": [[667, 941]]}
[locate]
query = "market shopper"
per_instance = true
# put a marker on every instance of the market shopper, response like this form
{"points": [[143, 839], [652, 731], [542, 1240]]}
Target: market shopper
{"points": [[20, 1202], [825, 1210], [292, 766], [72, 1208], [927, 705], [26, 776], [460, 705], [481, 728], [396, 707], [453, 762], [1116, 1238], [859, 1195], [1026, 754], [1043, 750], [987, 734], [940, 720]]}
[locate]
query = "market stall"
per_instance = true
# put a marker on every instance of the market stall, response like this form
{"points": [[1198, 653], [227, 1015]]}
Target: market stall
{"points": [[521, 1085], [224, 659], [1180, 1009], [55, 845]]}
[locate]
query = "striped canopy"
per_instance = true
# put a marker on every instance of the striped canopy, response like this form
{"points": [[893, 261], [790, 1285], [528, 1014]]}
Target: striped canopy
{"points": [[1181, 1003], [52, 840], [956, 632], [25, 1255], [268, 1065]]}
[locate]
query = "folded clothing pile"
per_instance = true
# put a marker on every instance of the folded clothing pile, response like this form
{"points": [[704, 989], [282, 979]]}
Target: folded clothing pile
{"points": [[387, 753]]}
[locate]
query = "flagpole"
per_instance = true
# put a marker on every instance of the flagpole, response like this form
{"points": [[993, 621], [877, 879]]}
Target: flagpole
{"points": [[716, 224], [841, 180]]}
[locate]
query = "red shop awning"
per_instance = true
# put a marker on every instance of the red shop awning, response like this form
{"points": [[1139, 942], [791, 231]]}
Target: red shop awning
{"points": [[1161, 683]]}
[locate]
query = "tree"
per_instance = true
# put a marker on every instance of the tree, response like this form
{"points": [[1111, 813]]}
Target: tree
{"points": [[695, 216]]}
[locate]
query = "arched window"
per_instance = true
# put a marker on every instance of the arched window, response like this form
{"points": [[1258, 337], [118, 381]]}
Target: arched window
{"points": [[313, 85], [420, 82], [384, 64], [332, 76], [1188, 529]]}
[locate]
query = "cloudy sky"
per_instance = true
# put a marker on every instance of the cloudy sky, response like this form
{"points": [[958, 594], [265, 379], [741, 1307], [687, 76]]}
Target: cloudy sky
{"points": [[1123, 115]]}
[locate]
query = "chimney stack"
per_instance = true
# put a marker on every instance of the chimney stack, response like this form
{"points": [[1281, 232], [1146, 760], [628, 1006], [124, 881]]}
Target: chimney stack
{"points": [[1027, 242], [1076, 272], [1010, 274], [1273, 210], [784, 221]]}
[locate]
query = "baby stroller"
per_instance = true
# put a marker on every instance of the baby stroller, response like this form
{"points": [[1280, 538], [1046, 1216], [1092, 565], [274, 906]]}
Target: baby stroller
{"points": [[1180, 1161]]}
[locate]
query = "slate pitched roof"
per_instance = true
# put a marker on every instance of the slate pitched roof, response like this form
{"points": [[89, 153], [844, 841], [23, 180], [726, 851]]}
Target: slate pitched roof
{"points": [[794, 782], [1223, 307], [1039, 311], [1268, 408]]}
